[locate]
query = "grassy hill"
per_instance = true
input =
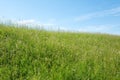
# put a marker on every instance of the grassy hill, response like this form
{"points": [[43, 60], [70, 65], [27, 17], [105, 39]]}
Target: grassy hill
{"points": [[29, 54]]}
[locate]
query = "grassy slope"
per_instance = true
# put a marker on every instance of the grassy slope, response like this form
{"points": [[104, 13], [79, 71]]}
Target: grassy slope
{"points": [[41, 55]]}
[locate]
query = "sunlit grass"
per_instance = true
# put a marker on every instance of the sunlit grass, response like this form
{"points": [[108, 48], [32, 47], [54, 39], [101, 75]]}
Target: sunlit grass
{"points": [[29, 54]]}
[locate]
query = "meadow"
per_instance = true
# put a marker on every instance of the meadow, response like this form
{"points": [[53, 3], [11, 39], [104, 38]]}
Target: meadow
{"points": [[30, 54]]}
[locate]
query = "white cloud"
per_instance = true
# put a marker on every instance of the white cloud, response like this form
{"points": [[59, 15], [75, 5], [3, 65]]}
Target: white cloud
{"points": [[31, 21], [96, 28], [111, 12]]}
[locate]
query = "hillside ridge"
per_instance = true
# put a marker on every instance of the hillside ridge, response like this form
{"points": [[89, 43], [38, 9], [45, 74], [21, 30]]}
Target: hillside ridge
{"points": [[45, 55]]}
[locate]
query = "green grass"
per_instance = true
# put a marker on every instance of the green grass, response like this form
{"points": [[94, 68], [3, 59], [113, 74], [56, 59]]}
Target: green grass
{"points": [[29, 54]]}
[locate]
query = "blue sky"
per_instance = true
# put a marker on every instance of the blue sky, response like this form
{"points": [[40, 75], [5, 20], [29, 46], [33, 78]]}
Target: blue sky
{"points": [[75, 15]]}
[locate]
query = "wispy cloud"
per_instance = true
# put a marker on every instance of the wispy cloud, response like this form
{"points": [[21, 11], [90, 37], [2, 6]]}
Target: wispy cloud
{"points": [[31, 21], [96, 28], [37, 24], [110, 29], [110, 12]]}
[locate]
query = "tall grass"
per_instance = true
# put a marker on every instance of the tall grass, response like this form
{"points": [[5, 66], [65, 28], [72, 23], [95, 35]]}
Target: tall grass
{"points": [[28, 54]]}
